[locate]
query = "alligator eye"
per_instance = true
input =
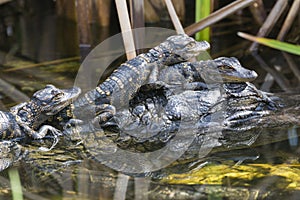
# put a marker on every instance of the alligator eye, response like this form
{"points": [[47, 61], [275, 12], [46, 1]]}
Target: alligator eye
{"points": [[58, 96], [226, 67], [191, 45]]}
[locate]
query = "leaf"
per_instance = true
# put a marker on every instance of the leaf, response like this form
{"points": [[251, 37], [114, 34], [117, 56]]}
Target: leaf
{"points": [[283, 46], [203, 8]]}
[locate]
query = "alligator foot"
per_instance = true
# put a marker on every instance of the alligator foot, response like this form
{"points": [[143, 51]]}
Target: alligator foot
{"points": [[55, 141], [103, 115], [43, 132], [104, 112]]}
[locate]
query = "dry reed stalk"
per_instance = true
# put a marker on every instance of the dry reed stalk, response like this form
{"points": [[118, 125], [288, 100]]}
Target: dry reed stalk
{"points": [[217, 16], [174, 17], [126, 28], [294, 11], [271, 20]]}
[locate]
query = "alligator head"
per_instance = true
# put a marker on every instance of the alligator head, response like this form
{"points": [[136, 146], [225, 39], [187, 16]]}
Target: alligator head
{"points": [[51, 100], [225, 69], [180, 48]]}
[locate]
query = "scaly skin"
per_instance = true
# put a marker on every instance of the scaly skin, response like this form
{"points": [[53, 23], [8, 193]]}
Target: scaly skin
{"points": [[24, 119], [116, 91], [159, 119], [160, 112], [188, 75], [155, 109], [10, 152], [194, 75], [222, 69], [162, 115]]}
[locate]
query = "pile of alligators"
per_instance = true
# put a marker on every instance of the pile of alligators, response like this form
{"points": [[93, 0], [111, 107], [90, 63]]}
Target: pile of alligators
{"points": [[144, 103]]}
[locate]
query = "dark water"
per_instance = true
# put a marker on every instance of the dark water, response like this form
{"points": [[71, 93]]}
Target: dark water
{"points": [[268, 169]]}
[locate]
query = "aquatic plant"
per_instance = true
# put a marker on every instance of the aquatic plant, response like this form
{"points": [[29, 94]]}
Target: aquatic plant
{"points": [[276, 44]]}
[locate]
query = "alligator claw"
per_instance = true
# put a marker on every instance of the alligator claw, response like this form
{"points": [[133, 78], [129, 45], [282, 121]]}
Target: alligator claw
{"points": [[55, 141], [42, 133]]}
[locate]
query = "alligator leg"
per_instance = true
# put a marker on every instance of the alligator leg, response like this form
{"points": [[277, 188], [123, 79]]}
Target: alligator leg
{"points": [[272, 105], [41, 133], [103, 113], [14, 110]]}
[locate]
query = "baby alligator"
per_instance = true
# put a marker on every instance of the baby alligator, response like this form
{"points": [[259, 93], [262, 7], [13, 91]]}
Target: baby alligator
{"points": [[23, 119], [119, 87], [192, 75]]}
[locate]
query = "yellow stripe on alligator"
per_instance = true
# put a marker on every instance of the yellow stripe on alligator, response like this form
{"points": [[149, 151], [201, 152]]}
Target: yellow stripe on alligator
{"points": [[144, 58], [100, 91], [89, 99], [134, 68], [118, 81]]}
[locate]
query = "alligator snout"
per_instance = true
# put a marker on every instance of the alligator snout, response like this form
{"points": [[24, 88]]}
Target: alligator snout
{"points": [[251, 75]]}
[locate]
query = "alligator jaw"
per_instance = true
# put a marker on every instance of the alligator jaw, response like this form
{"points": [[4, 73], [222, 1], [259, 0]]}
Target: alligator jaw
{"points": [[248, 76]]}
